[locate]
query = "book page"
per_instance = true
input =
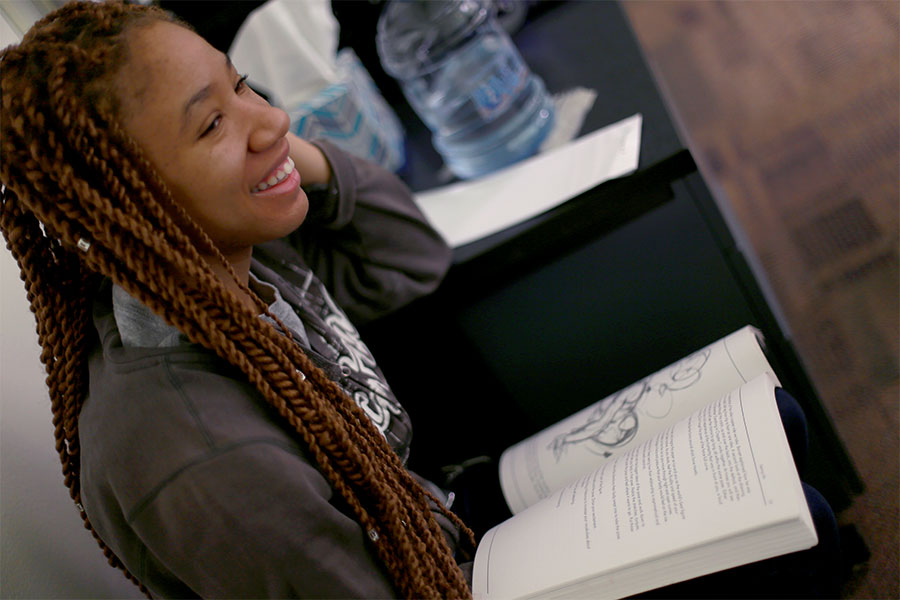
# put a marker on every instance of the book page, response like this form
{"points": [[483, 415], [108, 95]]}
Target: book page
{"points": [[534, 468], [722, 473]]}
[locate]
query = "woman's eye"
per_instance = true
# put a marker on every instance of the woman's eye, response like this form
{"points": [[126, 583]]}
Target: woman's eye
{"points": [[212, 127], [239, 87]]}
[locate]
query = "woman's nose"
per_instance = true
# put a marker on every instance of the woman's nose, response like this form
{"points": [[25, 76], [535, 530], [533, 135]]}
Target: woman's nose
{"points": [[268, 125]]}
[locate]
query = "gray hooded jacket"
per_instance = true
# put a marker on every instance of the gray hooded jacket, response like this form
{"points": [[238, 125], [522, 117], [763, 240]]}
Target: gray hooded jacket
{"points": [[189, 476]]}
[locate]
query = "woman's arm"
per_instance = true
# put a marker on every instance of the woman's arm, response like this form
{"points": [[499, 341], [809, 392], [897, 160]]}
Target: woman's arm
{"points": [[364, 237], [255, 521]]}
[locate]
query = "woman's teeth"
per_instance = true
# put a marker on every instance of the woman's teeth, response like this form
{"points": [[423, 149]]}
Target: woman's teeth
{"points": [[276, 177]]}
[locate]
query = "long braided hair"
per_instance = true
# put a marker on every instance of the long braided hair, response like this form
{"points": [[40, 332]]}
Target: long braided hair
{"points": [[80, 202]]}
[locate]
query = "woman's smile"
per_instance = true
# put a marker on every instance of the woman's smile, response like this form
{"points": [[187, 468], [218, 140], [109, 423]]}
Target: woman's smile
{"points": [[283, 174]]}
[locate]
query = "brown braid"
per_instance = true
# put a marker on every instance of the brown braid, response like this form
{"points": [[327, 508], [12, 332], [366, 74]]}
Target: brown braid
{"points": [[80, 202]]}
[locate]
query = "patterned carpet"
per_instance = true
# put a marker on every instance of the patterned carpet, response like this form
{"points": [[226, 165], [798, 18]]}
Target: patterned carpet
{"points": [[791, 109]]}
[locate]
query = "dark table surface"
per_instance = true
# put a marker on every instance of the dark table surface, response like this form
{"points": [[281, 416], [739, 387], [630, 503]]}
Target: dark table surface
{"points": [[595, 293]]}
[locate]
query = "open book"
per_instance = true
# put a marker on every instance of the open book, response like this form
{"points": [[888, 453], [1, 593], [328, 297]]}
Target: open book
{"points": [[684, 473]]}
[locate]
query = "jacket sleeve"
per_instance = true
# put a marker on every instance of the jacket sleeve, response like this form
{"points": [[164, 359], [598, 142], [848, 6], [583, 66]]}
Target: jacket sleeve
{"points": [[256, 521], [368, 242]]}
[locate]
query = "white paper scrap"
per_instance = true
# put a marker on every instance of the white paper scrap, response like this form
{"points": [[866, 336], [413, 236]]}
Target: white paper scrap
{"points": [[469, 210], [571, 107]]}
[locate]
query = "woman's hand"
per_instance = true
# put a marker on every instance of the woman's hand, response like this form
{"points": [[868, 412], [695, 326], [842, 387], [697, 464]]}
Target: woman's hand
{"points": [[309, 161]]}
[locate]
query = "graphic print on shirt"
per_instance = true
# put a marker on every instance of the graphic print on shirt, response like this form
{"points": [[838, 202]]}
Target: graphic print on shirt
{"points": [[375, 398]]}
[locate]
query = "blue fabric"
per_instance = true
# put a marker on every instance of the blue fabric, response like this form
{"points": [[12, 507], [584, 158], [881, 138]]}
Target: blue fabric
{"points": [[794, 422]]}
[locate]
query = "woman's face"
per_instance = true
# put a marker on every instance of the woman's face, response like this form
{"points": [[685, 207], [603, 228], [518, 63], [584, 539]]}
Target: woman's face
{"points": [[213, 140]]}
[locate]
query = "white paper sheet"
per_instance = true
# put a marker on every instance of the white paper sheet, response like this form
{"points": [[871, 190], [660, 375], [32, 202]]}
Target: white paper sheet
{"points": [[469, 210]]}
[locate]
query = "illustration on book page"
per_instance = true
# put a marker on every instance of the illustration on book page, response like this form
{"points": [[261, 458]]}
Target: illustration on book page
{"points": [[615, 422]]}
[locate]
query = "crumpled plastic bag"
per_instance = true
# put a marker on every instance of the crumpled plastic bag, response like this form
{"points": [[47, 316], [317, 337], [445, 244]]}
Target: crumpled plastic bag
{"points": [[289, 50]]}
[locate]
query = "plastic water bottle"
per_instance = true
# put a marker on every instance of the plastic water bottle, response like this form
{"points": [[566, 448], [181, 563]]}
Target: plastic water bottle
{"points": [[464, 77]]}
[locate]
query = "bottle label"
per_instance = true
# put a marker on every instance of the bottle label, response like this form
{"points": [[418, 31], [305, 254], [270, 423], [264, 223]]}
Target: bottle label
{"points": [[496, 93]]}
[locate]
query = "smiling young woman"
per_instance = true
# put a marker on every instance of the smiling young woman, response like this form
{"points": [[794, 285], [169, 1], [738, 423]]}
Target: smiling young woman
{"points": [[213, 140], [221, 427]]}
